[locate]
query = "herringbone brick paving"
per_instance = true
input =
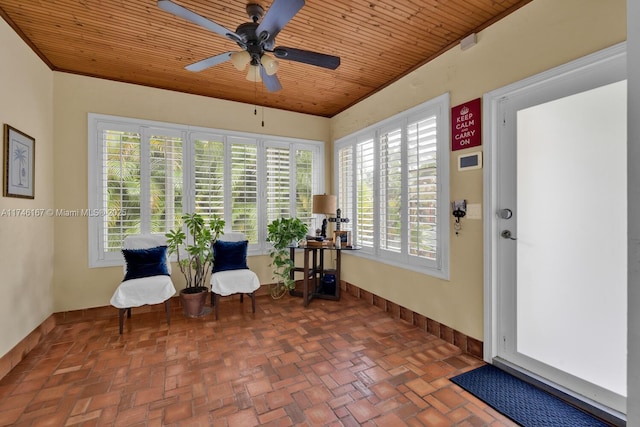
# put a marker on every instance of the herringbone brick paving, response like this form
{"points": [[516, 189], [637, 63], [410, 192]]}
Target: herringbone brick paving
{"points": [[334, 363]]}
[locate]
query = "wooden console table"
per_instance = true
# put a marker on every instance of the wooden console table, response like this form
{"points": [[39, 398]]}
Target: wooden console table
{"points": [[314, 270]]}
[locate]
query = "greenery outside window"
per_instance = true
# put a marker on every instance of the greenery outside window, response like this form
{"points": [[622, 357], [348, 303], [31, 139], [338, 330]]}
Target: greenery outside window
{"points": [[143, 176], [392, 182]]}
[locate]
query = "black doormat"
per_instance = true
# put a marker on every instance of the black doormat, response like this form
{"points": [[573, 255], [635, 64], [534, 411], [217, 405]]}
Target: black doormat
{"points": [[524, 403]]}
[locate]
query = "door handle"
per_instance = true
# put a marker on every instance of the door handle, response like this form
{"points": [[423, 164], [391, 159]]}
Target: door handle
{"points": [[506, 234], [505, 213]]}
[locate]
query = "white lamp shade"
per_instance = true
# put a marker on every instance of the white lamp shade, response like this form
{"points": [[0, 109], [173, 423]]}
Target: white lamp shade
{"points": [[240, 59], [324, 204], [253, 75], [270, 65]]}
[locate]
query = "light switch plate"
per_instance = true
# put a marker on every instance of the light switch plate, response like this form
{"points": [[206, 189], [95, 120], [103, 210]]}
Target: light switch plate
{"points": [[474, 211]]}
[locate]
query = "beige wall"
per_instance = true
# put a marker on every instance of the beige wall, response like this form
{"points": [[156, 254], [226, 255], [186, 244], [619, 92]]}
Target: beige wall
{"points": [[539, 36], [26, 244], [76, 285], [54, 106]]}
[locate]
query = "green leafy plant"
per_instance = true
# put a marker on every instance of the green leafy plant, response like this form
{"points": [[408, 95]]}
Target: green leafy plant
{"points": [[282, 233], [197, 247]]}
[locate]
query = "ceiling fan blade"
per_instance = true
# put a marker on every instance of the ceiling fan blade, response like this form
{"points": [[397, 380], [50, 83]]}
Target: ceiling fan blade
{"points": [[182, 12], [278, 15], [307, 57], [209, 62], [271, 82]]}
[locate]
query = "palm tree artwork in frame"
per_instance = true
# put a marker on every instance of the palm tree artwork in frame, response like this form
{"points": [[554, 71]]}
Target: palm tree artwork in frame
{"points": [[19, 163]]}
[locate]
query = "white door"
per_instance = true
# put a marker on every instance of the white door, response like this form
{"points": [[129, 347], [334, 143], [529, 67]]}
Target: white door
{"points": [[560, 229]]}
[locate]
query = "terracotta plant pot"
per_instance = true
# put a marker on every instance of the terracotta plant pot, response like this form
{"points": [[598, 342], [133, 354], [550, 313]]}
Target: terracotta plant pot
{"points": [[193, 301]]}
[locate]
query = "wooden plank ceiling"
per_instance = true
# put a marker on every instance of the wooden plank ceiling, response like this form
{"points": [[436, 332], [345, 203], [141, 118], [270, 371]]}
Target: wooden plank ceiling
{"points": [[135, 41]]}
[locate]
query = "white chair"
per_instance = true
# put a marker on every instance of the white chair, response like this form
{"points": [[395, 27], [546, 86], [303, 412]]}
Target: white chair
{"points": [[230, 256], [148, 267]]}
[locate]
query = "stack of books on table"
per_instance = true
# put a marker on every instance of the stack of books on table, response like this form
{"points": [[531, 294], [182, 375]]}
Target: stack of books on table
{"points": [[315, 243]]}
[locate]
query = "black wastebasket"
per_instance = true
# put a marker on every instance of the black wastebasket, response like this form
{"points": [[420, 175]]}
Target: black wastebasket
{"points": [[328, 286]]}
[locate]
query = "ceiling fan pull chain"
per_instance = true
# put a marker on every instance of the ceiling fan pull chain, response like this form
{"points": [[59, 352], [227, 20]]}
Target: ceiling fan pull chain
{"points": [[255, 98], [262, 106]]}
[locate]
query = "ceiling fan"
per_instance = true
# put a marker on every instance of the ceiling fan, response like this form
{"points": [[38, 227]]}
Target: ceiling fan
{"points": [[256, 38]]}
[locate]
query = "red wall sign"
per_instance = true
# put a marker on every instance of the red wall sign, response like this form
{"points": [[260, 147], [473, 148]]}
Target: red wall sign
{"points": [[465, 125]]}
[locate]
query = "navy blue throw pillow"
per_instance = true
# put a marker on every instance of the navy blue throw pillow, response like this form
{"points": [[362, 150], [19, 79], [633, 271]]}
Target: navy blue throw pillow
{"points": [[146, 262], [229, 255]]}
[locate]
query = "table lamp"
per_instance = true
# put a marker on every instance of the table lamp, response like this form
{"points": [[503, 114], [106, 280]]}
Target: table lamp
{"points": [[324, 204]]}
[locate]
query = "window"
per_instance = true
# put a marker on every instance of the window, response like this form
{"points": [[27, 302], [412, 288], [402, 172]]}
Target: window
{"points": [[144, 175], [392, 182]]}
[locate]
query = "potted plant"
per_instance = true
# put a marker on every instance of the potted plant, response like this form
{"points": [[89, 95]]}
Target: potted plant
{"points": [[195, 258], [283, 233]]}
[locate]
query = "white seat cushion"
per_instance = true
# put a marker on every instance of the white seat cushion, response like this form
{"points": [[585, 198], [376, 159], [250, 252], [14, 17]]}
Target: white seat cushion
{"points": [[144, 241], [232, 236], [144, 290], [234, 281], [231, 282], [147, 290]]}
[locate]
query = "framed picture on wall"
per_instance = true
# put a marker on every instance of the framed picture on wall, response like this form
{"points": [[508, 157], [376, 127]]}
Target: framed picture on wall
{"points": [[19, 163], [344, 236]]}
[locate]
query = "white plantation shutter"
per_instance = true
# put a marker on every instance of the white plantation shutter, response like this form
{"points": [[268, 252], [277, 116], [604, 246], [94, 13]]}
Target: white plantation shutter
{"points": [[290, 182], [165, 182], [209, 179], [345, 168], [422, 188], [145, 175], [244, 188], [365, 226], [278, 165], [120, 162], [396, 182], [304, 175], [391, 190]]}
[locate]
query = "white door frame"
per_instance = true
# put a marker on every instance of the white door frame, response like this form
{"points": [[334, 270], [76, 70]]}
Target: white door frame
{"points": [[600, 68], [614, 58]]}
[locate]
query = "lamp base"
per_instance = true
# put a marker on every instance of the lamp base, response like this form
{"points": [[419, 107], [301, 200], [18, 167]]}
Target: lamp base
{"points": [[323, 231]]}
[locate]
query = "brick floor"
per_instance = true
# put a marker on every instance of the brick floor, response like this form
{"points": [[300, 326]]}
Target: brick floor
{"points": [[334, 363]]}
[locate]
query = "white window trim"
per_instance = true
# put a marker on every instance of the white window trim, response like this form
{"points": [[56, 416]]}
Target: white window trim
{"points": [[441, 107], [99, 258]]}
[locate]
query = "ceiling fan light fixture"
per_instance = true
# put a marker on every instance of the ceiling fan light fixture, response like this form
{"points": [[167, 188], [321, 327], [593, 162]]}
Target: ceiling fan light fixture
{"points": [[270, 65], [254, 39], [253, 75], [240, 59]]}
